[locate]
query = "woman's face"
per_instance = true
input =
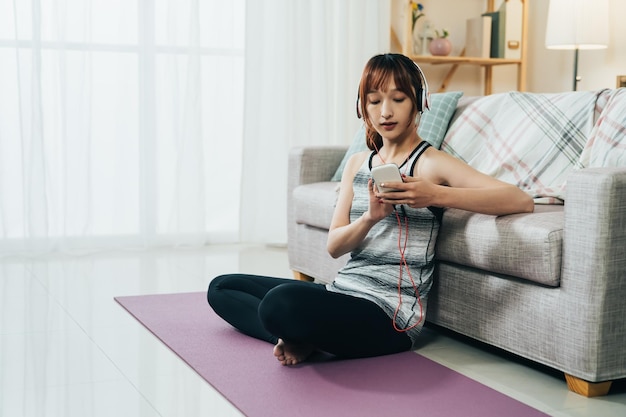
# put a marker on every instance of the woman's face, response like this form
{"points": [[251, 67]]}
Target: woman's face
{"points": [[390, 111]]}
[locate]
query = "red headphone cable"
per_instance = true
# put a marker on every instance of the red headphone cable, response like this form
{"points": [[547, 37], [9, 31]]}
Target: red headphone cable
{"points": [[404, 264]]}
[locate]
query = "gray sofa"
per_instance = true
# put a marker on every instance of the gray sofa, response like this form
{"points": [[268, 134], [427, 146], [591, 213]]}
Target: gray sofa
{"points": [[549, 286]]}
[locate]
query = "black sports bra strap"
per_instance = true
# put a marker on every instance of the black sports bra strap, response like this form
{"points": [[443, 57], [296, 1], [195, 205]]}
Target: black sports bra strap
{"points": [[420, 150], [371, 158]]}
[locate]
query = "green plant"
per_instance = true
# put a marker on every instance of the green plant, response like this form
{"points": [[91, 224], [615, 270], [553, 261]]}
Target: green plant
{"points": [[444, 33]]}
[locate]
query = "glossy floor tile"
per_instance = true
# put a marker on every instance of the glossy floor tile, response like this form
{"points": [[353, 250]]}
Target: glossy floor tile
{"points": [[68, 349]]}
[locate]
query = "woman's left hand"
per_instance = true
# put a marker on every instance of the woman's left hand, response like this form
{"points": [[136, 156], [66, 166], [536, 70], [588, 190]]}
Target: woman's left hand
{"points": [[414, 192]]}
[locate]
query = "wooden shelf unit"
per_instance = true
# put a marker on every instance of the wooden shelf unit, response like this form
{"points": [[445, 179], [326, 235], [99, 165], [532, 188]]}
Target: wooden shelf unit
{"points": [[455, 61]]}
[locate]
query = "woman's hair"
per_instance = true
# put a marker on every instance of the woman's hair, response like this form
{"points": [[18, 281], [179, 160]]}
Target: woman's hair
{"points": [[378, 73]]}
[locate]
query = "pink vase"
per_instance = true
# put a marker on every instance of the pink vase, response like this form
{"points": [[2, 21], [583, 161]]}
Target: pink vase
{"points": [[440, 47]]}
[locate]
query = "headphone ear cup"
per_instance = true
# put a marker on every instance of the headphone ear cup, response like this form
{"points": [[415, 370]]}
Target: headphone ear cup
{"points": [[418, 118], [420, 100]]}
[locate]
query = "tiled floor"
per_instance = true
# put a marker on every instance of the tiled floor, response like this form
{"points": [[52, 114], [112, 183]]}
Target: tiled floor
{"points": [[67, 349]]}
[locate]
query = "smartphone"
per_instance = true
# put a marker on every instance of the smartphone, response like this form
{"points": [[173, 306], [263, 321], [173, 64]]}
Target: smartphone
{"points": [[386, 173]]}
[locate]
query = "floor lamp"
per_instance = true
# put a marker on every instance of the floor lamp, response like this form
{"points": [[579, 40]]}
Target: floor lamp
{"points": [[577, 24]]}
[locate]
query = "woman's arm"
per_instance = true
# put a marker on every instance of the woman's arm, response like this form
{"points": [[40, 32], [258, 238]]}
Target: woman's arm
{"points": [[442, 180], [344, 236]]}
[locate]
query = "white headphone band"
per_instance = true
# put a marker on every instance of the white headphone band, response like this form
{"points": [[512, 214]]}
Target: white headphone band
{"points": [[425, 92]]}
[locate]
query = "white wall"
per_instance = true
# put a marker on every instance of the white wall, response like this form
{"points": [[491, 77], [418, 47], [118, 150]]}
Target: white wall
{"points": [[553, 70], [547, 70]]}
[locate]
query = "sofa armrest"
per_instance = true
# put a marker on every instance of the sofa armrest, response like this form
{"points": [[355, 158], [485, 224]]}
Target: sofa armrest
{"points": [[311, 164], [593, 281], [307, 165], [306, 245]]}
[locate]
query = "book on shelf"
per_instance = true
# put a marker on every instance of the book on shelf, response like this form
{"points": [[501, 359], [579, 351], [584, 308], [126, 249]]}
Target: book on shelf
{"points": [[496, 42], [478, 37], [511, 16], [506, 30]]}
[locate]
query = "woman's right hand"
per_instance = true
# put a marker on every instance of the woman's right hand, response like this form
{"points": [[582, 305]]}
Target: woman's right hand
{"points": [[377, 209]]}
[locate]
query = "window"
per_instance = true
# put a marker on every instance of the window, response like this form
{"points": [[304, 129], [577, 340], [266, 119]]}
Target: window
{"points": [[120, 118]]}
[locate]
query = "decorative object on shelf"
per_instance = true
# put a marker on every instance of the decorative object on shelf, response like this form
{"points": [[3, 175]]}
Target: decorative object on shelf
{"points": [[416, 12], [573, 24], [440, 45], [414, 42], [506, 30], [427, 35], [478, 31], [417, 26]]}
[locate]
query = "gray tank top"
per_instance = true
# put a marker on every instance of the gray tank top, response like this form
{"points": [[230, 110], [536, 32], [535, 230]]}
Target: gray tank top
{"points": [[373, 269]]}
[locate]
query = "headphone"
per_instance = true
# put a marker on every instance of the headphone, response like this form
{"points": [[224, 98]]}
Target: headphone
{"points": [[421, 91]]}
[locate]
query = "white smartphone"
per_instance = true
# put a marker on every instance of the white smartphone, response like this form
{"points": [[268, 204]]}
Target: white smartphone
{"points": [[386, 173]]}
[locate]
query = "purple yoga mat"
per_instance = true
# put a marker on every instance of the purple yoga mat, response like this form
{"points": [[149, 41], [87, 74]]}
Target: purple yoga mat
{"points": [[245, 371]]}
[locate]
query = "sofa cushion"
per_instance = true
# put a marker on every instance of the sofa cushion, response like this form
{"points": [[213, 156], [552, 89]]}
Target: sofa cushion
{"points": [[606, 146], [530, 140], [434, 122], [357, 145], [526, 246], [432, 128], [314, 203]]}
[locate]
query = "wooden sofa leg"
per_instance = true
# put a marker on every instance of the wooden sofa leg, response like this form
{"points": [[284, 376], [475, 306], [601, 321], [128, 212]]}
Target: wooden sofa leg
{"points": [[302, 277], [588, 389]]}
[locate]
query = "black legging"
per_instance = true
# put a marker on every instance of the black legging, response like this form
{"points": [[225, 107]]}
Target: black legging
{"points": [[304, 312]]}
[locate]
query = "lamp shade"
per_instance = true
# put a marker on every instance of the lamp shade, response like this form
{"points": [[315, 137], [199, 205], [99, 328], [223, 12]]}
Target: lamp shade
{"points": [[578, 24]]}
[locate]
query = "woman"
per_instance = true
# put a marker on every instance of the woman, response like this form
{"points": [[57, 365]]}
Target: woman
{"points": [[377, 303]]}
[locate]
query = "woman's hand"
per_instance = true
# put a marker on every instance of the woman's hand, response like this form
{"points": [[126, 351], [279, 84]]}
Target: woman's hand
{"points": [[378, 210], [414, 192]]}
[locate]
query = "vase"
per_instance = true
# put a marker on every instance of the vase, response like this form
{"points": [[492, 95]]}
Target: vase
{"points": [[416, 35], [440, 47]]}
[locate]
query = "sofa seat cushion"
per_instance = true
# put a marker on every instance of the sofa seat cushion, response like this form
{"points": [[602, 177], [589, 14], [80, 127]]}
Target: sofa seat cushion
{"points": [[526, 246], [314, 203]]}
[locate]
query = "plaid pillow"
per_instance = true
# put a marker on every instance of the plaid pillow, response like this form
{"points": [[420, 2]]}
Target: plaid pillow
{"points": [[530, 140], [432, 128]]}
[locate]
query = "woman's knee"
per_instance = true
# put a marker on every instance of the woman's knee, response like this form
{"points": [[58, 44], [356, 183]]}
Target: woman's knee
{"points": [[279, 305], [273, 304], [214, 288]]}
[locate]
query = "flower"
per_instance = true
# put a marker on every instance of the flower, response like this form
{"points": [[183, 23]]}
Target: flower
{"points": [[416, 11]]}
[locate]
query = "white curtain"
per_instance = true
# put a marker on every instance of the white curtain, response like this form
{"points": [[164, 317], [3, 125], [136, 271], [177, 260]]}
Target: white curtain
{"points": [[303, 62], [120, 123]]}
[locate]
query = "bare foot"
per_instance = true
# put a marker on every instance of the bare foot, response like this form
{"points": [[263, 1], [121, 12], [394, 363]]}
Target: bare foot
{"points": [[291, 354]]}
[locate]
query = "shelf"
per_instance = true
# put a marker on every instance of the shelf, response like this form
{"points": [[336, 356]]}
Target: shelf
{"points": [[465, 60], [401, 41]]}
